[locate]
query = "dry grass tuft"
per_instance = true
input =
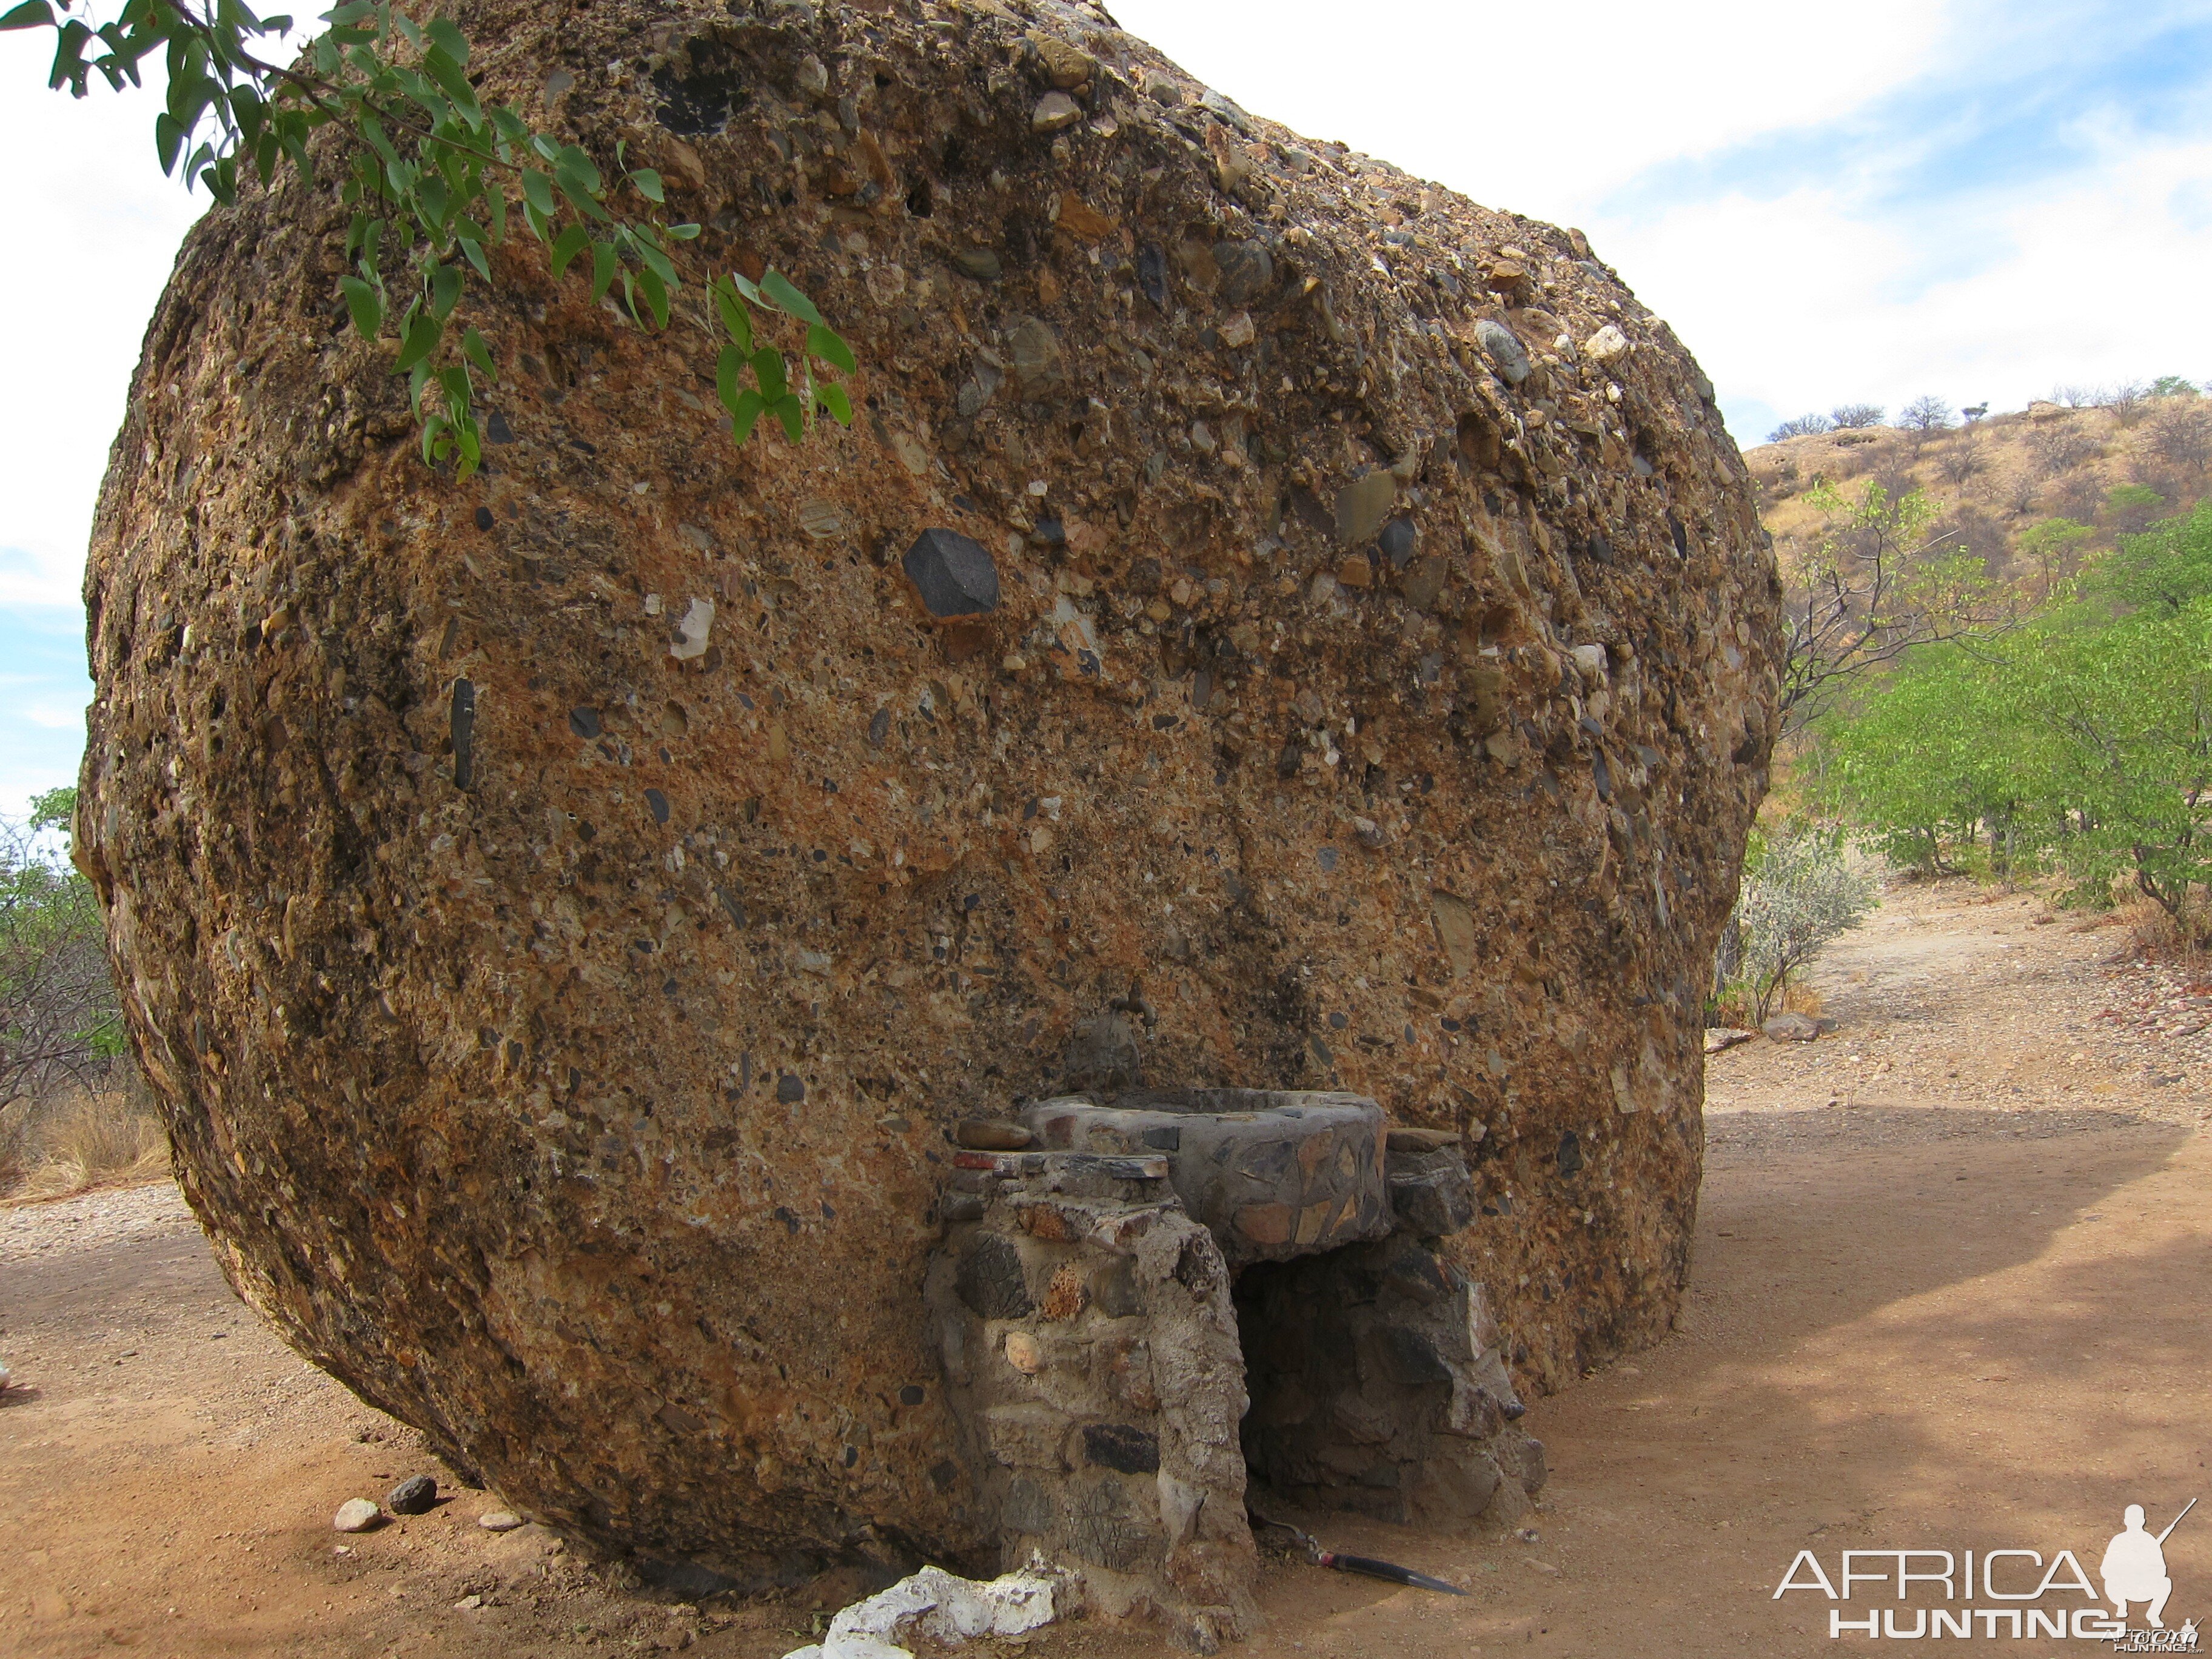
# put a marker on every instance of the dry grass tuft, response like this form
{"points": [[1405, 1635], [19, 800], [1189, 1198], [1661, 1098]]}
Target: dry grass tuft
{"points": [[75, 1142]]}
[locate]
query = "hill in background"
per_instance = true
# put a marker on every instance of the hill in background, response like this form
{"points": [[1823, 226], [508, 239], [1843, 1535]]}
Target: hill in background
{"points": [[2032, 493]]}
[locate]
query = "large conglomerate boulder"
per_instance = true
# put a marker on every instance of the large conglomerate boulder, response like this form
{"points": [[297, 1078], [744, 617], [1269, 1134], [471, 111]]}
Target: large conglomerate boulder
{"points": [[1273, 623]]}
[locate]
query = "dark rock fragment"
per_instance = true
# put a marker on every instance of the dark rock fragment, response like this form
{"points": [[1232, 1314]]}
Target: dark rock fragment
{"points": [[954, 575]]}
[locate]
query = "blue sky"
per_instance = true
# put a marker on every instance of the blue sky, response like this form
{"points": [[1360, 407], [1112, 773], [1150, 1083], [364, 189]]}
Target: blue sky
{"points": [[1978, 200]]}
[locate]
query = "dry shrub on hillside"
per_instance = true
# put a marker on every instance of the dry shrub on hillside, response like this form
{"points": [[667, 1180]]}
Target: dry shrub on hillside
{"points": [[1960, 459], [2060, 448], [2180, 434]]}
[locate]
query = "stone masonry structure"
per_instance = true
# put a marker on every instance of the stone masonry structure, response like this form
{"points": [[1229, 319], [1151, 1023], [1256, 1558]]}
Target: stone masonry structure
{"points": [[1138, 1344], [1274, 624]]}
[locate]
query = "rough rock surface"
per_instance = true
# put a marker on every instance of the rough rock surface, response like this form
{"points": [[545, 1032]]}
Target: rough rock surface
{"points": [[561, 911]]}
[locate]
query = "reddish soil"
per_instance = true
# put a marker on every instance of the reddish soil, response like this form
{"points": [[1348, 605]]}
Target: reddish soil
{"points": [[1955, 1309]]}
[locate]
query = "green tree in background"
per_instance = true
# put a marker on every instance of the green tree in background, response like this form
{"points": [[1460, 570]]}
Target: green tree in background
{"points": [[434, 178], [2087, 742], [58, 1019]]}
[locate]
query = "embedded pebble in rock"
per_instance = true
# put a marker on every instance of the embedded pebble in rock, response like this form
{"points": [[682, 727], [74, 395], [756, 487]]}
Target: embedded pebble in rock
{"points": [[610, 1148], [1504, 349], [356, 1515], [953, 575], [415, 1495], [1053, 111]]}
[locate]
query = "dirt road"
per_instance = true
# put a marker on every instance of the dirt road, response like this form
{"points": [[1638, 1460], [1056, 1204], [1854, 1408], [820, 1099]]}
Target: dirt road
{"points": [[1956, 1309]]}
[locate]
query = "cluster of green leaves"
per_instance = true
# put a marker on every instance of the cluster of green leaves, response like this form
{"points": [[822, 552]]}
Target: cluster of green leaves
{"points": [[2085, 742], [435, 175]]}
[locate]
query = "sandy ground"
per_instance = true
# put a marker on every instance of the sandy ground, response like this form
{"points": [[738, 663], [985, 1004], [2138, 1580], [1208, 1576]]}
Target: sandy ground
{"points": [[1946, 1295]]}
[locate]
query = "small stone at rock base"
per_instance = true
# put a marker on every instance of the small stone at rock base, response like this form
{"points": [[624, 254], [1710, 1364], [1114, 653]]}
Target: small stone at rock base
{"points": [[468, 1604], [356, 1515], [1421, 1140], [413, 1495], [1791, 1027], [987, 1135], [499, 1520], [1053, 111], [1023, 1353], [1718, 1037]]}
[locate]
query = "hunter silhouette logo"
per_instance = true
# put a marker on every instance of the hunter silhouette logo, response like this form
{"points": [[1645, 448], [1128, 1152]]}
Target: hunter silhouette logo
{"points": [[2134, 1567], [2032, 1595]]}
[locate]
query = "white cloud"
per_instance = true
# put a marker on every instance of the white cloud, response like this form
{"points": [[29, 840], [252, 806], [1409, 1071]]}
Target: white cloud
{"points": [[94, 229], [1815, 299], [1544, 110]]}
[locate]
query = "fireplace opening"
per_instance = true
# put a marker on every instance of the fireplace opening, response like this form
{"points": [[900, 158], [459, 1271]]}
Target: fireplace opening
{"points": [[1155, 1314], [1370, 1393]]}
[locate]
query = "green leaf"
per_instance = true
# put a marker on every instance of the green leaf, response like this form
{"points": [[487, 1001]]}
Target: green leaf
{"points": [[737, 321], [768, 370], [605, 264], [656, 262], [832, 398], [365, 304], [656, 294], [824, 342], [473, 251], [776, 288], [474, 349], [538, 192], [445, 290], [423, 334], [648, 185], [446, 37], [573, 240], [168, 139], [793, 414], [30, 14], [683, 233], [747, 411], [729, 371]]}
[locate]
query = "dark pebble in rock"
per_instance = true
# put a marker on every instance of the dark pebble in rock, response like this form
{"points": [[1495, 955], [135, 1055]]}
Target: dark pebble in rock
{"points": [[1248, 270], [1153, 274], [497, 429], [879, 728], [584, 722], [413, 1495], [790, 1090], [1504, 348], [954, 575], [1398, 542], [657, 804], [484, 517]]}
